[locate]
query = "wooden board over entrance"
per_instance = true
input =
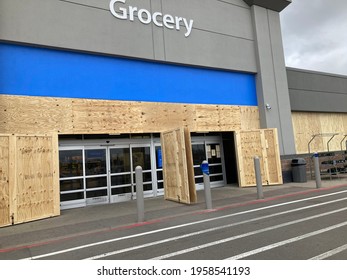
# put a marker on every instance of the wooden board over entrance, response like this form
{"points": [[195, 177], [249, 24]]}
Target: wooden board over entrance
{"points": [[178, 166], [264, 144]]}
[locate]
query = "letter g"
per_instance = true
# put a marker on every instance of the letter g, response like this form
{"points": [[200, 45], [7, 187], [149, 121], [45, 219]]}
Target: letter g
{"points": [[123, 14]]}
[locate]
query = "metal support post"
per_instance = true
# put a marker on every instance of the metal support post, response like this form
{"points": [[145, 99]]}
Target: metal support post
{"points": [[317, 171], [258, 178], [139, 195], [207, 184]]}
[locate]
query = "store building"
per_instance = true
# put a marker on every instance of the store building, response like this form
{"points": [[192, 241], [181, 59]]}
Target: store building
{"points": [[100, 81]]}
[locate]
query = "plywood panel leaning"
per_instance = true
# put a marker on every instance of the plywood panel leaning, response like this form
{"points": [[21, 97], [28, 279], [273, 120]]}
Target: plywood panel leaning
{"points": [[175, 168], [4, 181], [272, 157], [248, 145], [35, 178], [190, 166], [263, 144], [29, 178], [36, 175]]}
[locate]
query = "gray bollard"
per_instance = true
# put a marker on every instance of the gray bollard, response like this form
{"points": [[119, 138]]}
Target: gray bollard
{"points": [[258, 178], [317, 171], [207, 184], [139, 195]]}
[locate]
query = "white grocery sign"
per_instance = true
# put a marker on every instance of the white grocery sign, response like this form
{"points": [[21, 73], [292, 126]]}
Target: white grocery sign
{"points": [[146, 17]]}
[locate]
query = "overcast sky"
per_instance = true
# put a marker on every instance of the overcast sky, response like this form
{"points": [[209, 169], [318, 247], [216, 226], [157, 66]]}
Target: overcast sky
{"points": [[315, 35]]}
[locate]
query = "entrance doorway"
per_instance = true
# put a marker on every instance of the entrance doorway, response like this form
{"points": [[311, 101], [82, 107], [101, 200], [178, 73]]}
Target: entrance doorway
{"points": [[210, 149], [102, 170], [97, 175], [230, 158]]}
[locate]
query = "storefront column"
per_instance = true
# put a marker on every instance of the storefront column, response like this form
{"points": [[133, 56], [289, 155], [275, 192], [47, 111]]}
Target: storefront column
{"points": [[271, 81]]}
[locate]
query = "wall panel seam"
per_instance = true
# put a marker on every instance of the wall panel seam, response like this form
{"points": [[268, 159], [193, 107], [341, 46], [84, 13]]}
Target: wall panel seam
{"points": [[320, 91]]}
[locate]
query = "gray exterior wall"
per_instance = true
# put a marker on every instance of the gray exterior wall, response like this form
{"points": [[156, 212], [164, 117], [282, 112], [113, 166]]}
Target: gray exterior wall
{"points": [[233, 35], [312, 91], [222, 36]]}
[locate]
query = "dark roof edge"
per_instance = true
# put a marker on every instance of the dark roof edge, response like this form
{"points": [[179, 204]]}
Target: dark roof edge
{"points": [[275, 5], [315, 72]]}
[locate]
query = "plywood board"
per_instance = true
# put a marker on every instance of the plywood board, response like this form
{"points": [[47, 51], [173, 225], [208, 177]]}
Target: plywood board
{"points": [[190, 166], [32, 115], [258, 143], [307, 124], [249, 118], [273, 160], [332, 122], [229, 118], [40, 115], [29, 178], [34, 183], [177, 182], [4, 181], [207, 118], [248, 145], [55, 175]]}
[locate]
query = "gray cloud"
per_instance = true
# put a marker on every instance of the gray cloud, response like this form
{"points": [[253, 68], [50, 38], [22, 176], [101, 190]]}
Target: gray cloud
{"points": [[315, 35]]}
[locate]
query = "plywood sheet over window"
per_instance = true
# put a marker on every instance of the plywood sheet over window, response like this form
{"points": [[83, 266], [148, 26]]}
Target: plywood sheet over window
{"points": [[30, 179], [307, 124], [264, 144], [178, 166]]}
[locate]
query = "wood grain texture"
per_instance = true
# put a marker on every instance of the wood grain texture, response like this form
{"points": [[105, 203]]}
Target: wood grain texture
{"points": [[29, 177], [262, 143], [307, 124], [39, 115]]}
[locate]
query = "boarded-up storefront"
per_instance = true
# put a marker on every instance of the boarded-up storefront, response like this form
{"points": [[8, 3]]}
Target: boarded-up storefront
{"points": [[29, 178]]}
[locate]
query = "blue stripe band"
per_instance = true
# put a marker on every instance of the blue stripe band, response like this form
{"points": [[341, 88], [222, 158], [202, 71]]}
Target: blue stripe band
{"points": [[53, 73]]}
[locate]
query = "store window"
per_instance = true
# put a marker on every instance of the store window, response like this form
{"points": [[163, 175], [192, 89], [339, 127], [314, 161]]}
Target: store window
{"points": [[71, 175]]}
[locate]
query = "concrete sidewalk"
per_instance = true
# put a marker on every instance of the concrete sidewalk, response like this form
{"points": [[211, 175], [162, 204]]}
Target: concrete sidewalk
{"points": [[111, 216]]}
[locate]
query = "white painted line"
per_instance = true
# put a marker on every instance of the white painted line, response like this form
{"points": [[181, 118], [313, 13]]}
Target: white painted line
{"points": [[330, 253], [218, 242], [181, 226], [117, 252], [284, 242]]}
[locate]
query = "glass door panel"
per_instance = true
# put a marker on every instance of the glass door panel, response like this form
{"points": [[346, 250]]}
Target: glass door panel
{"points": [[95, 162], [214, 156], [141, 156], [71, 178], [199, 155], [120, 160], [96, 175], [212, 153], [120, 174], [159, 170]]}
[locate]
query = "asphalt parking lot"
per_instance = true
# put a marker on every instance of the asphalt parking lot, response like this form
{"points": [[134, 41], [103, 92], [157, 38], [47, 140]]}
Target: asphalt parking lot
{"points": [[238, 221]]}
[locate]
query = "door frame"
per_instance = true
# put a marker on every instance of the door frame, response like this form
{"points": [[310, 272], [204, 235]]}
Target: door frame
{"points": [[102, 199], [113, 144], [207, 140]]}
